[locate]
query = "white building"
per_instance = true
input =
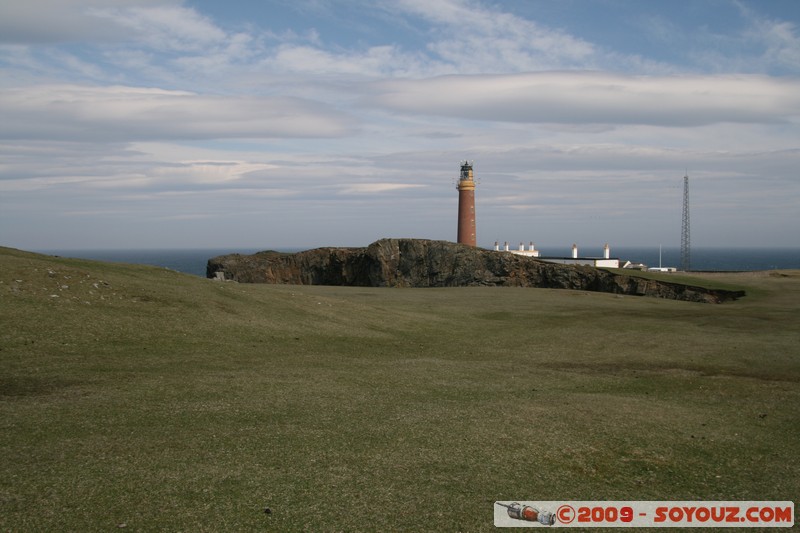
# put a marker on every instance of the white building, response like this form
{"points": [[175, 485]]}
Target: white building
{"points": [[530, 252], [605, 262]]}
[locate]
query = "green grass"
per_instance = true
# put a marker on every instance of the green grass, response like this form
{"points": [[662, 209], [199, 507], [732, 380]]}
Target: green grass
{"points": [[696, 279], [139, 396]]}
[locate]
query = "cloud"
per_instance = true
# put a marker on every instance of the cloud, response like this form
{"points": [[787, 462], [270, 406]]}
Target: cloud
{"points": [[166, 28], [158, 42], [756, 43], [377, 187], [118, 113], [478, 39], [463, 37], [595, 98], [780, 42], [376, 61], [56, 21]]}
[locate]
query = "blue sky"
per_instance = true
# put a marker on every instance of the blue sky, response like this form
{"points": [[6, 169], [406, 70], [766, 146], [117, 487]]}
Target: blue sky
{"points": [[302, 123]]}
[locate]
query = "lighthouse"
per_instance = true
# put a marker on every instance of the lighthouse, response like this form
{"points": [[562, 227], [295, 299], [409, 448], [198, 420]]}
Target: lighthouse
{"points": [[466, 205]]}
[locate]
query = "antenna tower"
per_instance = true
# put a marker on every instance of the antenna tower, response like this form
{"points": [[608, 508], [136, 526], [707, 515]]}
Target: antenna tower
{"points": [[686, 252]]}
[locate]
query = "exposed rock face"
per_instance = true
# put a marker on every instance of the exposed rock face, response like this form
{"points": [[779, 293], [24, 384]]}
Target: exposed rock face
{"points": [[425, 263]]}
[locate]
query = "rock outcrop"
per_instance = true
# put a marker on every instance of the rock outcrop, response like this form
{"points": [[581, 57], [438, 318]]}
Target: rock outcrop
{"points": [[426, 263]]}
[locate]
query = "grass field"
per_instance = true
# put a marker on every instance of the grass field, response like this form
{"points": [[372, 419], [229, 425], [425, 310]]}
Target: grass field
{"points": [[139, 397]]}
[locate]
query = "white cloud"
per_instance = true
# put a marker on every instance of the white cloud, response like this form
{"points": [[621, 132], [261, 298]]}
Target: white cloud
{"points": [[375, 61], [595, 97], [376, 187], [117, 113], [76, 65], [54, 21], [780, 41], [478, 39], [763, 45], [463, 38], [165, 28]]}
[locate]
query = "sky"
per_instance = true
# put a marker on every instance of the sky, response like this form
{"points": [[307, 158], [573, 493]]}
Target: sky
{"points": [[303, 123]]}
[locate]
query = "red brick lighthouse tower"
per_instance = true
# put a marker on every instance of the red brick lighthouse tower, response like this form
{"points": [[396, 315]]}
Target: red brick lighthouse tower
{"points": [[466, 205]]}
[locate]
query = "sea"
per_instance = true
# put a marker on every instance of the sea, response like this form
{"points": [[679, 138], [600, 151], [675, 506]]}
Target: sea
{"points": [[702, 259]]}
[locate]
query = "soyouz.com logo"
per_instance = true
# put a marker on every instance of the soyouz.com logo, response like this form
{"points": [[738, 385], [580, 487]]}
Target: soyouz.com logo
{"points": [[644, 514]]}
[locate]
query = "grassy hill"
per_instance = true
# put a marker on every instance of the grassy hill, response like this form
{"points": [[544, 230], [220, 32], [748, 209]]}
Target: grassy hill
{"points": [[138, 396]]}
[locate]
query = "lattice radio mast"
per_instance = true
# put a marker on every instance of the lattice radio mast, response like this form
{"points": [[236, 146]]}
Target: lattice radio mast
{"points": [[686, 247]]}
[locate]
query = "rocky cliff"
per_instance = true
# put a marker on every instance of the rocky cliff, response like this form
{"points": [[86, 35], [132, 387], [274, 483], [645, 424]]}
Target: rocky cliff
{"points": [[425, 263]]}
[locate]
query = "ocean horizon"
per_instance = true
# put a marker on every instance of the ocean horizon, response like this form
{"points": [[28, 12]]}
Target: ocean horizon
{"points": [[193, 261]]}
